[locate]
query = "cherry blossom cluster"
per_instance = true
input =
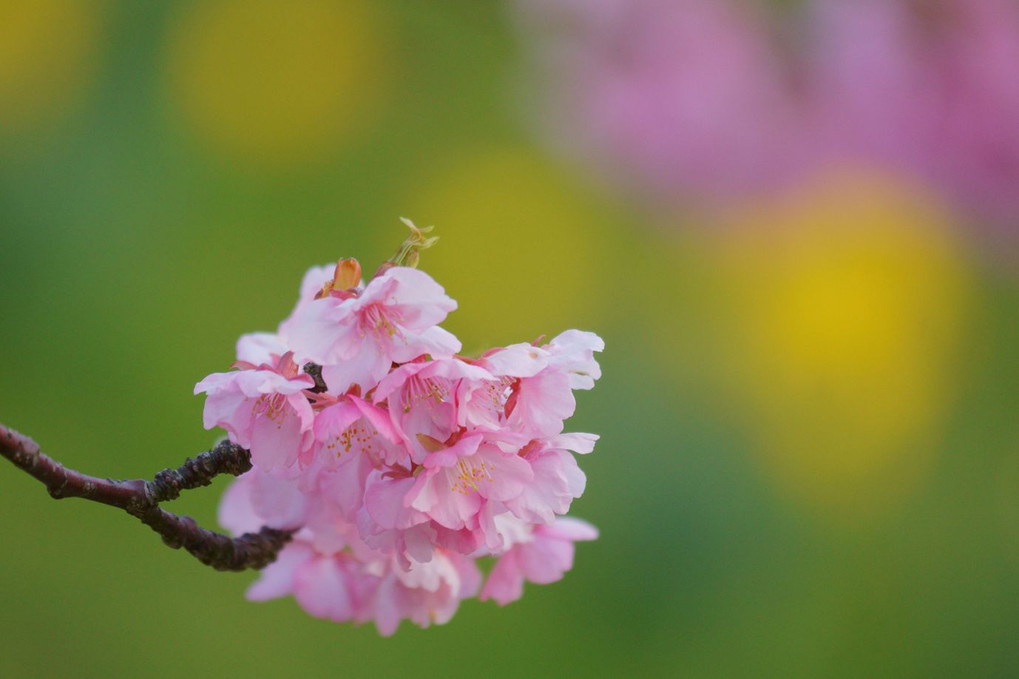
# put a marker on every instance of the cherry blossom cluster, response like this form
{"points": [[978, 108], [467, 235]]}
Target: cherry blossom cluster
{"points": [[398, 462]]}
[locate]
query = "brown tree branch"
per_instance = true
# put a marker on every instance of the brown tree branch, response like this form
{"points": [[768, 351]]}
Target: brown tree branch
{"points": [[315, 371], [141, 499]]}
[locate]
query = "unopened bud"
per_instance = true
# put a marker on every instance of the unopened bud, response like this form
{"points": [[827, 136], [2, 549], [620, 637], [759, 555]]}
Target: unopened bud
{"points": [[410, 249], [348, 274], [346, 277]]}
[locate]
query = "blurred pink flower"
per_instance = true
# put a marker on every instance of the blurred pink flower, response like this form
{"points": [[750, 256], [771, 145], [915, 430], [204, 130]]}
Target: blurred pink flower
{"points": [[705, 102], [686, 98], [930, 88]]}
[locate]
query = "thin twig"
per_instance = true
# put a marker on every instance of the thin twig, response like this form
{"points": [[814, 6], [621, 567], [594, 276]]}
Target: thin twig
{"points": [[141, 499]]}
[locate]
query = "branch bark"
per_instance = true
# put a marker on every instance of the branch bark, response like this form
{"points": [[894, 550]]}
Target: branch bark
{"points": [[141, 499]]}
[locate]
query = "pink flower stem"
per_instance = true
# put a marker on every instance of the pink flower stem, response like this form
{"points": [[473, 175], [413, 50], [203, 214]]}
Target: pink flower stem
{"points": [[141, 499]]}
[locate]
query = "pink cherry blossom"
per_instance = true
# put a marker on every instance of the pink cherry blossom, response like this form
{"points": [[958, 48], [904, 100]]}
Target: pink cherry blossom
{"points": [[573, 352], [356, 335], [339, 587], [532, 392], [425, 593], [353, 424], [322, 583], [260, 347], [262, 408], [420, 399], [542, 559], [386, 524], [458, 480], [558, 480]]}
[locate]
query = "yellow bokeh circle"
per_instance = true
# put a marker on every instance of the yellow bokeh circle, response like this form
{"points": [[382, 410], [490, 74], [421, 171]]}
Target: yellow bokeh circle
{"points": [[521, 244], [48, 57], [274, 82], [845, 308]]}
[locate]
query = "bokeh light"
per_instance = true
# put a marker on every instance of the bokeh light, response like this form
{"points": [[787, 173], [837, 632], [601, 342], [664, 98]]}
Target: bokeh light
{"points": [[49, 53], [278, 83], [542, 226], [848, 302]]}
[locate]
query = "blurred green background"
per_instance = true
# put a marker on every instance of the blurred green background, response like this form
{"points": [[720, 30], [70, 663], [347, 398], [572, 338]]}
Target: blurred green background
{"points": [[809, 462]]}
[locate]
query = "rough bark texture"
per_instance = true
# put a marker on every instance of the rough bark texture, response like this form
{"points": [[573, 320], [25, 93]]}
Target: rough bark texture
{"points": [[141, 499]]}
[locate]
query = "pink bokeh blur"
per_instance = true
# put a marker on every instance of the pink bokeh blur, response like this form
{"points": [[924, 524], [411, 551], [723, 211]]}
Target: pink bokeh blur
{"points": [[706, 103]]}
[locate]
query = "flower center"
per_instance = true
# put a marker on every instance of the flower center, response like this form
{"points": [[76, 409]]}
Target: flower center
{"points": [[272, 406], [375, 319], [469, 473], [424, 391], [356, 435]]}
